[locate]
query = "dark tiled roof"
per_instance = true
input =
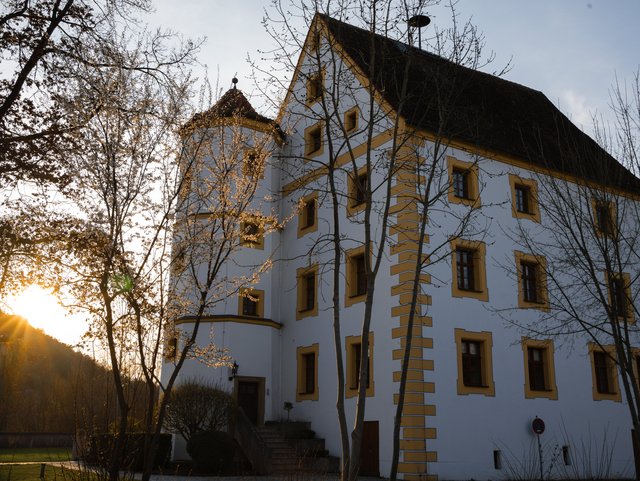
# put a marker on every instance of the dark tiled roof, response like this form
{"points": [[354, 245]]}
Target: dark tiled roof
{"points": [[478, 108], [233, 103]]}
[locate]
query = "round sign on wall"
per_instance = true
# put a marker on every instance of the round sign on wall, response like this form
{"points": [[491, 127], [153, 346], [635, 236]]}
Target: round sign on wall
{"points": [[538, 425]]}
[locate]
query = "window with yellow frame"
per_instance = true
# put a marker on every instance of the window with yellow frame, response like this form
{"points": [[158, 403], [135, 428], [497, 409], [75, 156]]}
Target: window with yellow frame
{"points": [[351, 120], [315, 87], [356, 290], [468, 269], [308, 215], [620, 300], [313, 144], [604, 373], [252, 234], [464, 185], [604, 217], [307, 292], [357, 190], [252, 165], [251, 303], [524, 198], [353, 346], [475, 363], [532, 281], [307, 373], [539, 369]]}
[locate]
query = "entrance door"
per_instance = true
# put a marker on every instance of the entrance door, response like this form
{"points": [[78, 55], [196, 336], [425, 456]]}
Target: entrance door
{"points": [[249, 396], [370, 451]]}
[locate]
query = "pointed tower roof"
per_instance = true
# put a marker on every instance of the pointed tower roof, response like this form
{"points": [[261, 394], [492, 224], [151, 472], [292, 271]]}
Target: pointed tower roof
{"points": [[232, 104]]}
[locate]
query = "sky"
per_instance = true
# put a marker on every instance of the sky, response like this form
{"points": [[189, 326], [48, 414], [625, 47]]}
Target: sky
{"points": [[571, 50]]}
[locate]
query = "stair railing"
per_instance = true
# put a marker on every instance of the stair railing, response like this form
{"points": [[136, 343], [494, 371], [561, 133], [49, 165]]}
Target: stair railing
{"points": [[256, 451]]}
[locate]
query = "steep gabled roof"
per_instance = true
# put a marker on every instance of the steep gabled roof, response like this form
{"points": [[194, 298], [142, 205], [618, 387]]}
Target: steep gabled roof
{"points": [[477, 108]]}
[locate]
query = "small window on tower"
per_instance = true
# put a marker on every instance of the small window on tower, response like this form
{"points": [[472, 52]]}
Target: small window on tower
{"points": [[251, 303], [252, 234]]}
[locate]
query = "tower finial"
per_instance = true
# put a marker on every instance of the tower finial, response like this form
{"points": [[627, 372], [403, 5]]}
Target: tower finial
{"points": [[234, 81]]}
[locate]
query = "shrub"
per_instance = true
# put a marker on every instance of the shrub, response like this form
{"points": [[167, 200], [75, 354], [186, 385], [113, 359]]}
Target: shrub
{"points": [[102, 446], [212, 452], [195, 407]]}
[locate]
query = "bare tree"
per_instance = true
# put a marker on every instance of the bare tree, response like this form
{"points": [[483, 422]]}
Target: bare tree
{"points": [[41, 42], [589, 237], [359, 93]]}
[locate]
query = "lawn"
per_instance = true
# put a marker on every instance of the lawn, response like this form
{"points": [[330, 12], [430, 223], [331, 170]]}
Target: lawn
{"points": [[31, 472], [25, 455]]}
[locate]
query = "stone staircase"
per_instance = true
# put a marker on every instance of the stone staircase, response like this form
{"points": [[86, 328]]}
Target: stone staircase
{"points": [[294, 448]]}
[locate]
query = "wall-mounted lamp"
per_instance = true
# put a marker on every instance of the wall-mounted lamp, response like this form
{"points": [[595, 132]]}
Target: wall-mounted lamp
{"points": [[233, 371]]}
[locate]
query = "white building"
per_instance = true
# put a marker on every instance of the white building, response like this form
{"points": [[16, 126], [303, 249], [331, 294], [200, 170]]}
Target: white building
{"points": [[475, 383]]}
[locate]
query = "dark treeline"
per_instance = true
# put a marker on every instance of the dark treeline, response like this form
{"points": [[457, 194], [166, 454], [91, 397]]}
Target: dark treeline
{"points": [[45, 386]]}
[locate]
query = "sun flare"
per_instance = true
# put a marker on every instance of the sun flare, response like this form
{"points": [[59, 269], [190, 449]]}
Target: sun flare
{"points": [[43, 311]]}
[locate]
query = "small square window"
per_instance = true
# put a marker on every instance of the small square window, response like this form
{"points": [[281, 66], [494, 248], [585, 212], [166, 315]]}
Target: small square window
{"points": [[307, 382], [252, 235], [307, 286], [251, 303], [351, 120], [313, 141], [252, 166]]}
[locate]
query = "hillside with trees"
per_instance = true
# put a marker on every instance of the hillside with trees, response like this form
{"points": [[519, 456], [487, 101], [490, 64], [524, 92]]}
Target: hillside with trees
{"points": [[46, 386]]}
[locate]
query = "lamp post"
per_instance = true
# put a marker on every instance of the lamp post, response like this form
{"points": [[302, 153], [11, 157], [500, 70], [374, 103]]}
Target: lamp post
{"points": [[418, 21]]}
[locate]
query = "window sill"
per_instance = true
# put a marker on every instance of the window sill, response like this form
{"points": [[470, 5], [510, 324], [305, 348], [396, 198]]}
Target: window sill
{"points": [[354, 299]]}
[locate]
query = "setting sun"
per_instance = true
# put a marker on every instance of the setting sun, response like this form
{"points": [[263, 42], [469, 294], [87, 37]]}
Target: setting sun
{"points": [[43, 311]]}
